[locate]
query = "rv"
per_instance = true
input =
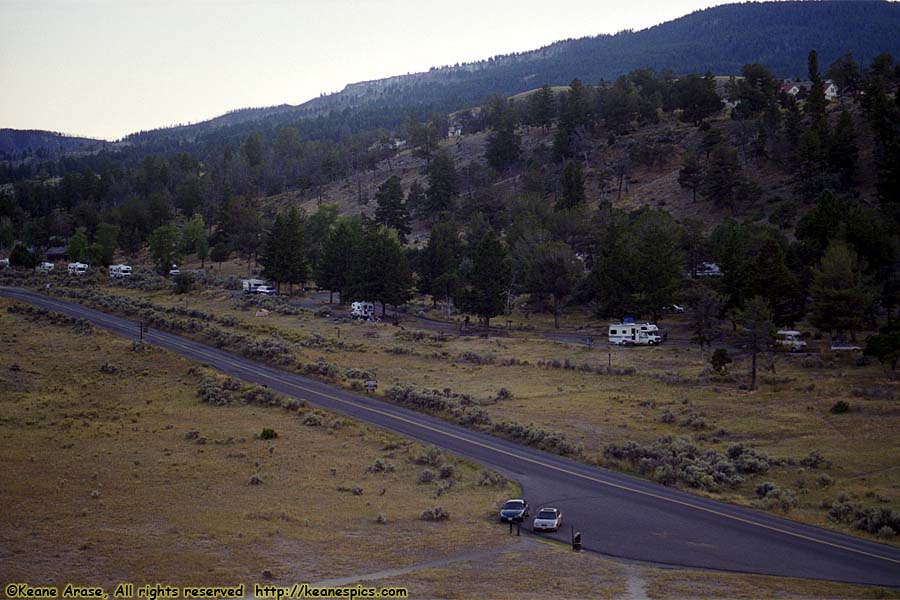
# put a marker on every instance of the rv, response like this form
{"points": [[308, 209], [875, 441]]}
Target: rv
{"points": [[4, 263], [708, 269], [634, 334], [120, 271], [44, 267], [362, 310], [790, 340], [77, 268], [249, 285]]}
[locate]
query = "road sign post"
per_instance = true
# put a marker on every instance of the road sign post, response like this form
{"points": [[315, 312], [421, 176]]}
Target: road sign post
{"points": [[371, 385]]}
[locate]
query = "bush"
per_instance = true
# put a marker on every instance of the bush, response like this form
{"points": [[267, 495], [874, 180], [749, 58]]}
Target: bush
{"points": [[380, 466], [720, 360], [668, 416], [825, 480], [431, 455], [260, 395], [675, 459], [213, 390], [380, 518], [694, 421], [840, 407], [426, 476], [814, 460], [488, 358], [486, 477], [435, 514], [268, 434], [504, 394], [311, 419], [886, 532], [447, 471], [772, 497], [184, 283]]}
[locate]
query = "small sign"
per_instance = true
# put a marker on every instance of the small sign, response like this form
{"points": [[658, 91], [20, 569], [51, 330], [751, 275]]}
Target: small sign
{"points": [[371, 385]]}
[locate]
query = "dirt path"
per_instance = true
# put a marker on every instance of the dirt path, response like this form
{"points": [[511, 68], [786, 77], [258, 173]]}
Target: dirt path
{"points": [[523, 544]]}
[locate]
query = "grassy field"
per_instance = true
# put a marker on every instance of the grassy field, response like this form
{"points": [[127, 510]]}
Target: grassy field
{"points": [[114, 470]]}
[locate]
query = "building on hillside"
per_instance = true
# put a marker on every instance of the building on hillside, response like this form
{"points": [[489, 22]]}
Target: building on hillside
{"points": [[792, 88], [57, 254]]}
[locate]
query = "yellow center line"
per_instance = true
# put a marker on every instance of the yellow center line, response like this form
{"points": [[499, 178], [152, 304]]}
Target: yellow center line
{"points": [[250, 368]]}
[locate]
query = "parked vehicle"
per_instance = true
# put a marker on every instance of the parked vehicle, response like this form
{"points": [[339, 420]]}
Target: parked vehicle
{"points": [[249, 285], [675, 308], [44, 267], [264, 290], [362, 310], [790, 339], [634, 334], [708, 269], [845, 347], [119, 271], [174, 270], [4, 263], [514, 510], [548, 519], [78, 268]]}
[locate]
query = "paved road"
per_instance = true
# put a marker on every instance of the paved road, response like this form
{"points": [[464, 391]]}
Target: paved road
{"points": [[618, 515]]}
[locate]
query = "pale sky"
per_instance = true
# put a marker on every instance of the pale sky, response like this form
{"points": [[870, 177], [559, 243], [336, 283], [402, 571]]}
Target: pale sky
{"points": [[106, 68]]}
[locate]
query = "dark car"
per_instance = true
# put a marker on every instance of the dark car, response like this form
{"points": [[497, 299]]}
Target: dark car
{"points": [[515, 510]]}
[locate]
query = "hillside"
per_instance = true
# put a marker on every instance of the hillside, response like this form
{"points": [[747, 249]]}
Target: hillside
{"points": [[43, 144]]}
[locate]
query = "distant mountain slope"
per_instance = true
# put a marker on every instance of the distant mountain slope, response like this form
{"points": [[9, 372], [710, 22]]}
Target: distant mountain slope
{"points": [[34, 141], [720, 39]]}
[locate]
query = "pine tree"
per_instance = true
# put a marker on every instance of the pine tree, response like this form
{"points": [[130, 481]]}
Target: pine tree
{"points": [[504, 145], [690, 176], [555, 271], [391, 210], [573, 194], [839, 298], [78, 246], [442, 186], [774, 282], [342, 247], [723, 176], [843, 153], [486, 282], [439, 263], [542, 106], [416, 200], [757, 331]]}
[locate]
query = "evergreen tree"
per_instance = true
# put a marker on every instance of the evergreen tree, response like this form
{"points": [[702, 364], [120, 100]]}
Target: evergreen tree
{"points": [[107, 236], [885, 345], [486, 281], [283, 257], [542, 105], [220, 253], [690, 176], [555, 271], [774, 283], [416, 201], [839, 298], [164, 247], [757, 331], [380, 271], [438, 268], [843, 153], [504, 145], [78, 246], [391, 210], [816, 101], [723, 176], [573, 194], [697, 98], [442, 186], [705, 315], [22, 257], [342, 247]]}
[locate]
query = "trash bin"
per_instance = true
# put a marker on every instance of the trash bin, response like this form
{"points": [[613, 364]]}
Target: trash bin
{"points": [[576, 542]]}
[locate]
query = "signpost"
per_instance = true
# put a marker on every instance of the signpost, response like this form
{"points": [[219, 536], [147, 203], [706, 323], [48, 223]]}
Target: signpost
{"points": [[371, 385]]}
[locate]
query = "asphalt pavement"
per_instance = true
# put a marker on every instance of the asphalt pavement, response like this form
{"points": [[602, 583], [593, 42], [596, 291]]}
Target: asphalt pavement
{"points": [[617, 514]]}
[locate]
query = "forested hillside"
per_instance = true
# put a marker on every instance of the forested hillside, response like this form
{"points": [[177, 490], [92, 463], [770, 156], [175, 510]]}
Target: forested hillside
{"points": [[604, 194]]}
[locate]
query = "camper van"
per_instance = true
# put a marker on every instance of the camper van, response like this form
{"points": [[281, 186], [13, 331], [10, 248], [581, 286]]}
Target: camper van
{"points": [[249, 285], [44, 267], [77, 268], [120, 271], [790, 340], [634, 334], [362, 310]]}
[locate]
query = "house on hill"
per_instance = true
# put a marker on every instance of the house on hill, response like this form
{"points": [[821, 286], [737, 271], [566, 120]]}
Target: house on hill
{"points": [[57, 254], [792, 88]]}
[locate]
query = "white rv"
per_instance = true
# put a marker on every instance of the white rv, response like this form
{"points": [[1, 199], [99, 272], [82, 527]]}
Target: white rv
{"points": [[249, 285], [634, 334], [77, 268], [362, 310], [44, 267], [791, 340], [120, 271], [708, 269]]}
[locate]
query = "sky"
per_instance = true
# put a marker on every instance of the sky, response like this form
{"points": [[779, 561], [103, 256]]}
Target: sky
{"points": [[107, 68]]}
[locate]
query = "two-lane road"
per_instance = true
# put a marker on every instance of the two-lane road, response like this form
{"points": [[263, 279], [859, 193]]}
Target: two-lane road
{"points": [[618, 514]]}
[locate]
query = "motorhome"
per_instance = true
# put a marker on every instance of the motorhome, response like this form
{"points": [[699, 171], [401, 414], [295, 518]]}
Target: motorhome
{"points": [[249, 285], [634, 334], [362, 310], [708, 269], [77, 268], [44, 267], [4, 263], [120, 271], [791, 340]]}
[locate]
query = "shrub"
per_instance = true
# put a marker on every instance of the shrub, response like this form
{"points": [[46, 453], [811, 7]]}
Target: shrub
{"points": [[824, 480], [486, 477], [260, 395], [108, 368], [213, 390], [694, 421], [886, 532], [311, 419], [772, 497], [720, 360], [255, 480], [447, 471], [668, 416], [431, 455], [271, 350], [839, 407], [435, 514], [814, 460], [380, 518], [874, 393], [184, 283], [426, 476], [380, 466], [504, 394], [268, 434], [487, 358]]}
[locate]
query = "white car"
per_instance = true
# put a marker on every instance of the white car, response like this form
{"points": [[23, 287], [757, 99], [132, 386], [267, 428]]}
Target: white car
{"points": [[844, 347], [264, 290], [174, 271], [548, 519]]}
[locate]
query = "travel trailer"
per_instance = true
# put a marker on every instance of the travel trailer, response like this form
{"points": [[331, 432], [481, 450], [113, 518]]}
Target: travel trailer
{"points": [[120, 271], [77, 268]]}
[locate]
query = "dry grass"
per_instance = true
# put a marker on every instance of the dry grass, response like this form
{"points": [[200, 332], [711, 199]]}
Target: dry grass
{"points": [[101, 484]]}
